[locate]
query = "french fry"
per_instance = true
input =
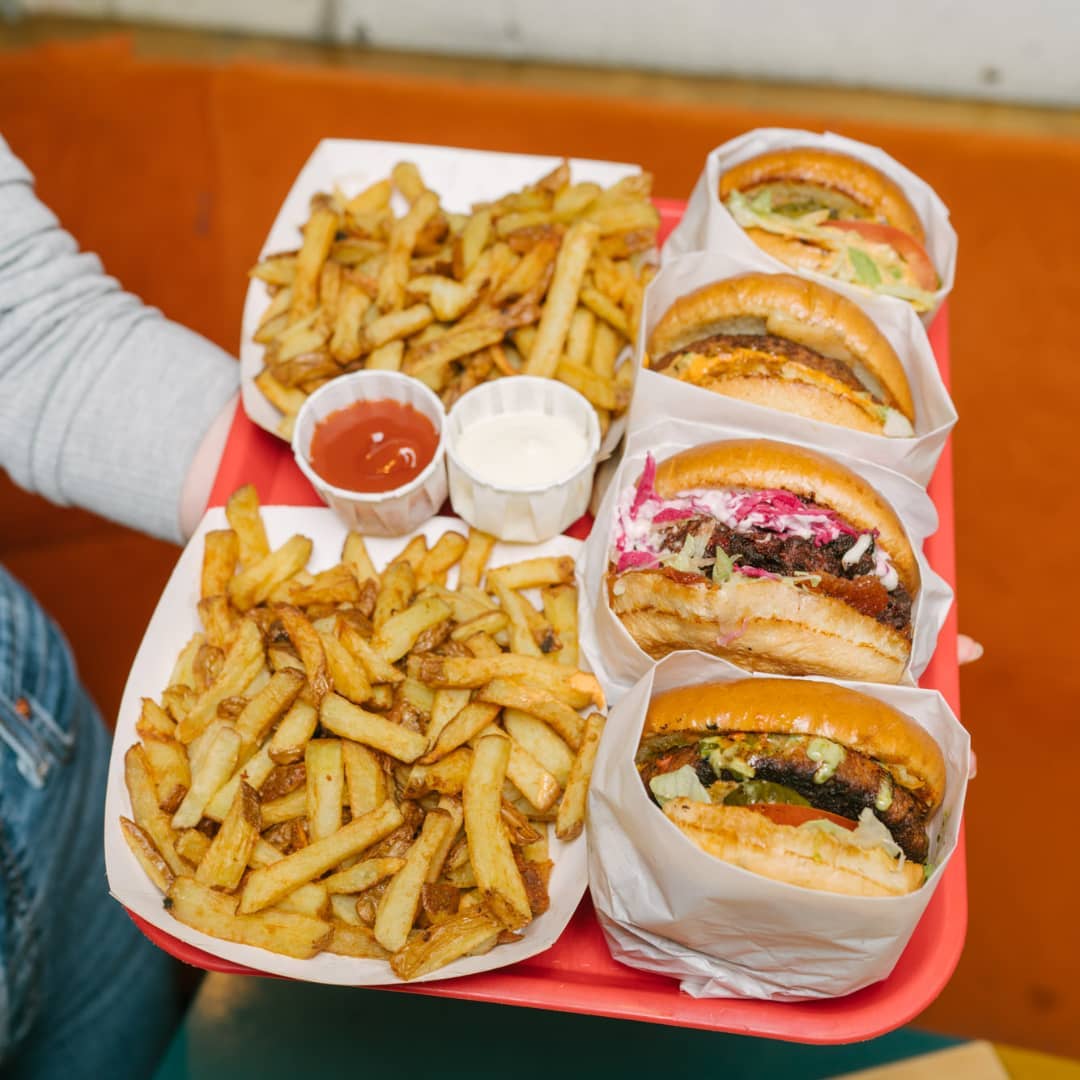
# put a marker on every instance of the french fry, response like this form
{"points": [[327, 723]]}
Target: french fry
{"points": [[338, 585], [225, 862], [266, 885], [218, 766], [147, 854], [605, 308], [599, 391], [445, 705], [362, 875], [242, 511], [452, 806], [354, 555], [266, 707], [144, 807], [351, 722], [560, 607], [399, 903], [386, 357], [359, 941], [220, 619], [255, 583], [517, 610], [492, 860], [406, 178], [474, 238], [448, 549], [541, 742], [578, 689], [325, 786], [347, 674], [562, 298], [579, 339], [220, 556], [571, 817], [466, 934], [318, 237], [403, 238], [207, 911], [530, 573], [605, 351], [308, 644], [398, 633], [379, 669], [168, 763], [536, 702], [446, 776], [277, 269], [364, 778], [343, 910], [182, 673], [397, 590], [292, 734], [531, 778], [353, 304], [287, 808], [465, 725], [253, 771], [192, 845], [395, 326], [374, 197], [491, 622], [417, 694]]}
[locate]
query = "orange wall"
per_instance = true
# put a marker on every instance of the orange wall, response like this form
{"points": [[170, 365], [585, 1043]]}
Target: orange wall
{"points": [[173, 173]]}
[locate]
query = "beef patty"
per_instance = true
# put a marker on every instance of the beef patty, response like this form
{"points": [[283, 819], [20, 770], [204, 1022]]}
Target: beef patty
{"points": [[857, 584], [857, 783], [729, 345]]}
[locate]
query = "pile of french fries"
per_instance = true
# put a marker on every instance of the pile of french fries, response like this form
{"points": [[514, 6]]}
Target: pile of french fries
{"points": [[365, 763], [547, 281]]}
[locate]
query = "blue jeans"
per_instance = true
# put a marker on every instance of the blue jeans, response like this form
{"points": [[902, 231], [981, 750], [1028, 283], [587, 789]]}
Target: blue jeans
{"points": [[82, 992]]}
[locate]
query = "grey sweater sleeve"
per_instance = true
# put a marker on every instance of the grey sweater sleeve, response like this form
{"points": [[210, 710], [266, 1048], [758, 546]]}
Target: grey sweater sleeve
{"points": [[103, 401]]}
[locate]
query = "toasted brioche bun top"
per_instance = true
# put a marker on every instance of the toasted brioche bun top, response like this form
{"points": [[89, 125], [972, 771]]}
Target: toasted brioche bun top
{"points": [[851, 176], [805, 707], [793, 308], [762, 463]]}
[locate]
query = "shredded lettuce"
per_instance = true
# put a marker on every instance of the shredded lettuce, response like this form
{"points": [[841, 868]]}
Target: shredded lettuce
{"points": [[870, 833], [722, 567], [866, 270], [682, 783], [857, 266]]}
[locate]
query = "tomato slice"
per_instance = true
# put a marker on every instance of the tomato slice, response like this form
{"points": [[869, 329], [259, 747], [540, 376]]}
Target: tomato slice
{"points": [[786, 814], [912, 252]]}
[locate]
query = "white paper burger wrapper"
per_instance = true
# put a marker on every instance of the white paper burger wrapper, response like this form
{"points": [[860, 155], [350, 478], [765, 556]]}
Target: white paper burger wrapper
{"points": [[708, 226], [668, 907], [658, 395], [613, 654]]}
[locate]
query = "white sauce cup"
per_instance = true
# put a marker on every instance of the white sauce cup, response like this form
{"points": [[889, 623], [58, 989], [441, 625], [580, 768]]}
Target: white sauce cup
{"points": [[526, 514], [377, 513]]}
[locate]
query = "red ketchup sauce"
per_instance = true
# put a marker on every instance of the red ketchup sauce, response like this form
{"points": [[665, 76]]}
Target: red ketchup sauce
{"points": [[373, 446]]}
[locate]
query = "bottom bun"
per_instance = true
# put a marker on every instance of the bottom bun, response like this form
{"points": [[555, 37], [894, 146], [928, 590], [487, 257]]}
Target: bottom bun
{"points": [[797, 855], [758, 624], [794, 396]]}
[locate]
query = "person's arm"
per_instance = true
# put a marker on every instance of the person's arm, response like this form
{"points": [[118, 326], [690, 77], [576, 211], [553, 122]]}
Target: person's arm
{"points": [[104, 403]]}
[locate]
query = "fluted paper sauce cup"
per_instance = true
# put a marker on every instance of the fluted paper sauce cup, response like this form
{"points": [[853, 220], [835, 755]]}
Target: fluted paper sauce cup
{"points": [[378, 513], [520, 510]]}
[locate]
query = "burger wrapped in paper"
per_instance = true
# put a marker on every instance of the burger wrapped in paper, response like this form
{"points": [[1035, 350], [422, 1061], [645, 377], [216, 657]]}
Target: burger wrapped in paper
{"points": [[805, 879], [769, 555], [786, 343], [800, 781]]}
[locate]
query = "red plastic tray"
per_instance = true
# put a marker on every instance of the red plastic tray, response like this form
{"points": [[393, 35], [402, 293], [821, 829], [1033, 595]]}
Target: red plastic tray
{"points": [[577, 974]]}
